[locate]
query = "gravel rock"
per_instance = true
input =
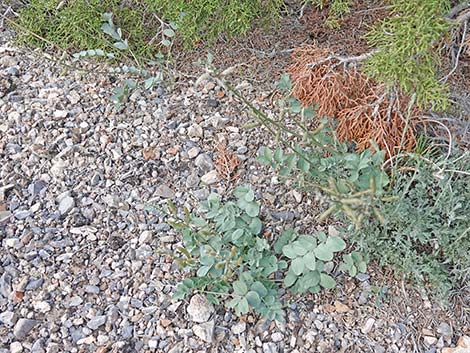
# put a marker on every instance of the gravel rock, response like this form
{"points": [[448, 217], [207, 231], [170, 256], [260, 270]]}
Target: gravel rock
{"points": [[199, 309], [145, 237], [444, 329], [23, 327], [205, 331], [164, 191], [368, 325], [16, 347], [204, 162], [210, 178], [239, 328], [8, 318], [97, 321], [66, 205], [270, 347]]}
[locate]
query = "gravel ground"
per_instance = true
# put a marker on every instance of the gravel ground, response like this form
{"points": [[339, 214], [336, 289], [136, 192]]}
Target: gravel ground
{"points": [[79, 270]]}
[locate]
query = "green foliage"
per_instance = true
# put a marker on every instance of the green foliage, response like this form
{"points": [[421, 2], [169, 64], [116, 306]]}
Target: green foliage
{"points": [[225, 250], [353, 183], [206, 19], [308, 256], [229, 256], [406, 56], [147, 81], [76, 25], [425, 235]]}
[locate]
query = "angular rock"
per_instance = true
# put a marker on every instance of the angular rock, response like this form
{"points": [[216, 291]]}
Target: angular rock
{"points": [[199, 309], [23, 327], [66, 204], [205, 331], [164, 191], [96, 322], [210, 178]]}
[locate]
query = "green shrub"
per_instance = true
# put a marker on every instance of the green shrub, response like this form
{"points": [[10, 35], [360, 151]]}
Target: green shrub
{"points": [[413, 217], [224, 247], [77, 25], [407, 57], [425, 235], [206, 19]]}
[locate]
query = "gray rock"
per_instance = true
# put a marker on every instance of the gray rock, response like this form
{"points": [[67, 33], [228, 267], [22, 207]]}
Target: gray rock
{"points": [[4, 216], [199, 309], [239, 328], [445, 329], [92, 289], [283, 215], [204, 162], [23, 327], [205, 331], [145, 237], [22, 214], [37, 346], [16, 347], [66, 204], [164, 191], [178, 348], [96, 322], [270, 347], [8, 318], [5, 285], [368, 325], [195, 130], [34, 284], [210, 178], [111, 200]]}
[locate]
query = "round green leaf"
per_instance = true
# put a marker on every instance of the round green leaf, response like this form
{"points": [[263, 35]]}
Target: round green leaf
{"points": [[327, 281], [253, 298], [322, 252], [288, 251], [259, 288], [239, 287], [289, 280], [297, 266], [203, 270], [335, 244], [310, 261], [243, 307]]}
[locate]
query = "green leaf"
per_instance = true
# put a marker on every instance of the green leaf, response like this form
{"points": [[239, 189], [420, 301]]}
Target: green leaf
{"points": [[307, 242], [297, 266], [109, 30], [289, 280], [362, 266], [237, 235], [169, 32], [283, 240], [285, 83], [239, 287], [207, 260], [322, 252], [255, 226], [309, 261], [166, 42], [148, 83], [295, 106], [278, 155], [243, 307], [299, 249], [252, 209], [253, 298], [327, 281], [121, 45], [259, 288], [288, 251], [310, 279], [203, 270], [335, 244]]}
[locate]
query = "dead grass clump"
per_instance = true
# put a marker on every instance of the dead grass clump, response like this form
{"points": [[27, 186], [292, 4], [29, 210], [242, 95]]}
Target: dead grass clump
{"points": [[362, 108]]}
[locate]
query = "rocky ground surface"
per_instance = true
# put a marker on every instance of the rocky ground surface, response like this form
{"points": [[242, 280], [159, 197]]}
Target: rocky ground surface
{"points": [[79, 268]]}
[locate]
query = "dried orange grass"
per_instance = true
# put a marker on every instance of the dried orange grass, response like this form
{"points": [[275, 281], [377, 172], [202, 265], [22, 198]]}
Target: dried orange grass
{"points": [[362, 111]]}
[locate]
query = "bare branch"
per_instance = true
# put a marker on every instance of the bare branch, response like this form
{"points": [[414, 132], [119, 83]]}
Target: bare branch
{"points": [[344, 59]]}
